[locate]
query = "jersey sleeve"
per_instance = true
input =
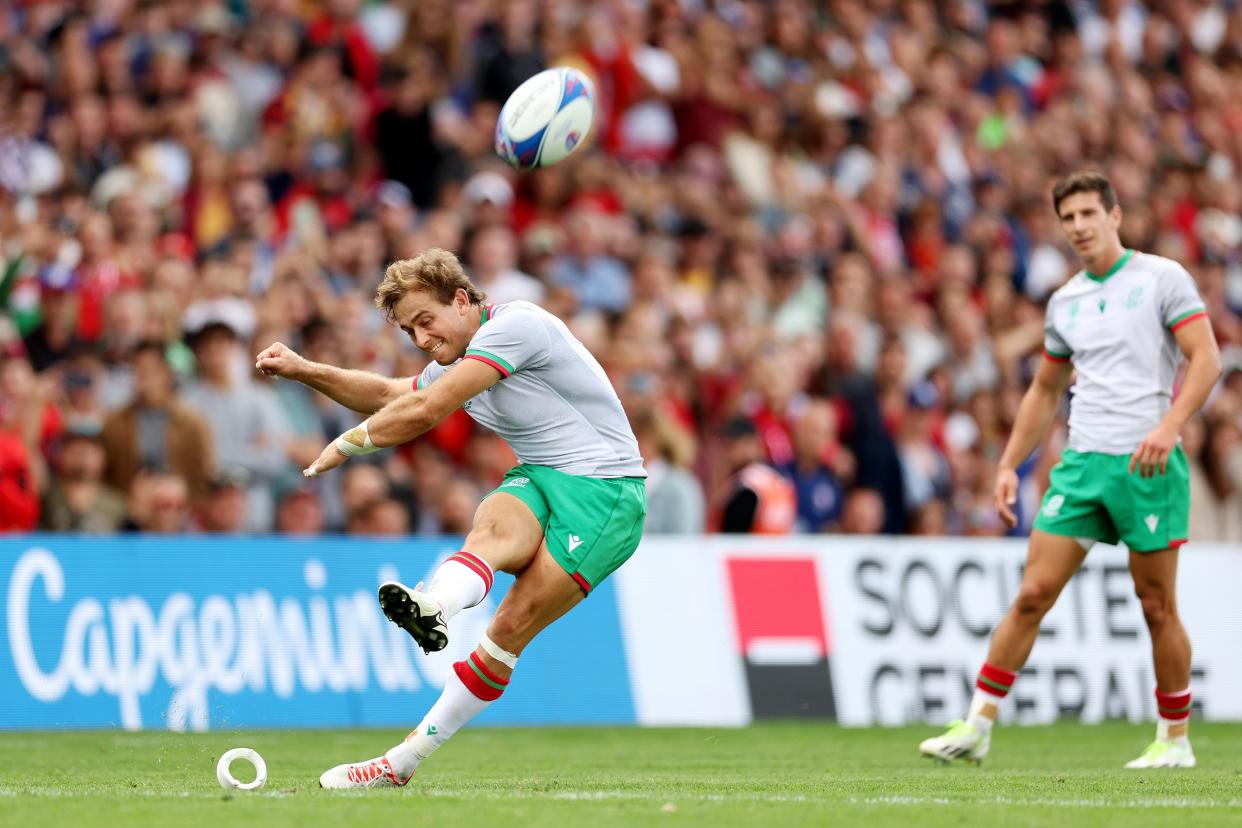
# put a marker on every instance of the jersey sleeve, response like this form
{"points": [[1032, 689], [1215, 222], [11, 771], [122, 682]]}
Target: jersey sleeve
{"points": [[1180, 302], [1055, 347], [513, 342], [430, 374]]}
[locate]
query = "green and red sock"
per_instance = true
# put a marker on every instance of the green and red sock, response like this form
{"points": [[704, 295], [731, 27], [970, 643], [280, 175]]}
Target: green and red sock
{"points": [[480, 680], [994, 681]]}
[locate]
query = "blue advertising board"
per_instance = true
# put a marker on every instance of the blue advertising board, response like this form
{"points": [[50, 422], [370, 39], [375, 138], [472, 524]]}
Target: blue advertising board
{"points": [[192, 633]]}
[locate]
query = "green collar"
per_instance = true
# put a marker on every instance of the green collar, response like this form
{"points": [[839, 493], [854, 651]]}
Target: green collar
{"points": [[1125, 257], [487, 314]]}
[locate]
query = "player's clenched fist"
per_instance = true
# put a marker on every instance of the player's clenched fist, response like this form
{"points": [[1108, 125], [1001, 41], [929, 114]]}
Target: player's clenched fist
{"points": [[279, 360]]}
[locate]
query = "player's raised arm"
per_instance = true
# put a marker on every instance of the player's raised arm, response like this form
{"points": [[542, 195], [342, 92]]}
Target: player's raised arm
{"points": [[1039, 406], [409, 415], [361, 391]]}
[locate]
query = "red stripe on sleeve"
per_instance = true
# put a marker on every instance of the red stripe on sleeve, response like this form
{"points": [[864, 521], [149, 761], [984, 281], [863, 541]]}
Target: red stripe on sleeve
{"points": [[1189, 319], [491, 362], [1055, 358]]}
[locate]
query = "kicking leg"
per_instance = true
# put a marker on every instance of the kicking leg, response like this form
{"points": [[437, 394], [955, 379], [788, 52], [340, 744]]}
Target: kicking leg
{"points": [[1155, 583], [505, 536], [1051, 561], [540, 595]]}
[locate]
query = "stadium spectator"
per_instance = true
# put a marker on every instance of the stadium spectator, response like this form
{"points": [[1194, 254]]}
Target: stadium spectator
{"points": [[756, 498], [248, 430], [863, 513], [223, 509], [158, 503], [675, 504], [299, 513], [817, 467], [834, 187], [156, 431], [78, 499], [19, 495]]}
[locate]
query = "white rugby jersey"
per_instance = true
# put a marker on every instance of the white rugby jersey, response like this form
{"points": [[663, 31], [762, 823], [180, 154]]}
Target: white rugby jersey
{"points": [[554, 404], [1117, 330]]}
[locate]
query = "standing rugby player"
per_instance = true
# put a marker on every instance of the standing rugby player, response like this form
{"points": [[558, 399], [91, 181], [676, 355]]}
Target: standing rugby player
{"points": [[1122, 323], [562, 520]]}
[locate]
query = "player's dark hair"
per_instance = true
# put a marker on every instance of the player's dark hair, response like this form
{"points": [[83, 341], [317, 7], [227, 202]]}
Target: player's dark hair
{"points": [[435, 271], [1084, 181]]}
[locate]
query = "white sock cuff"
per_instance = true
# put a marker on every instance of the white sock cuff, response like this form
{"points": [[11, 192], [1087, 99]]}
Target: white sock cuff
{"points": [[991, 697], [497, 652]]}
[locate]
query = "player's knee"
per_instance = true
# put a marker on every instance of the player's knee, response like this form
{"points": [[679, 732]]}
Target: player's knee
{"points": [[487, 529], [1159, 606], [1034, 599]]}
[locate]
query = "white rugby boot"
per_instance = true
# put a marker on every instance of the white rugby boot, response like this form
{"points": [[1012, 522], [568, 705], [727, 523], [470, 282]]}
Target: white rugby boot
{"points": [[1165, 754], [417, 613], [961, 741], [374, 773]]}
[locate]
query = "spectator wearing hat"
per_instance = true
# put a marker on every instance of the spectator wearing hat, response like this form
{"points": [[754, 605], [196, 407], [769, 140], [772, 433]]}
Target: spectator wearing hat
{"points": [[156, 431], [247, 427], [223, 509], [78, 499]]}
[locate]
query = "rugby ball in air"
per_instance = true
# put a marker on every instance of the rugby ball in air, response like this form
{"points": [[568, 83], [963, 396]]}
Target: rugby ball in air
{"points": [[546, 118]]}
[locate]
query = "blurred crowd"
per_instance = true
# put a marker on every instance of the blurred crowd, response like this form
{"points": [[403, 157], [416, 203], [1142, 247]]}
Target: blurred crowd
{"points": [[810, 242]]}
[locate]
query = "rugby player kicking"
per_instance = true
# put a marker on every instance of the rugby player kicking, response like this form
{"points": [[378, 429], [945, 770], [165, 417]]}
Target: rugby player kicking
{"points": [[562, 520]]}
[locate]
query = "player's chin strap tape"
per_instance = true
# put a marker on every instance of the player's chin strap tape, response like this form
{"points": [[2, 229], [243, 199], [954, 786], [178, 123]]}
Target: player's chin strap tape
{"points": [[357, 440], [497, 652]]}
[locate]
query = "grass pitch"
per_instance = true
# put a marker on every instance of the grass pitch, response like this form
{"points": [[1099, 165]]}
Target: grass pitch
{"points": [[784, 774]]}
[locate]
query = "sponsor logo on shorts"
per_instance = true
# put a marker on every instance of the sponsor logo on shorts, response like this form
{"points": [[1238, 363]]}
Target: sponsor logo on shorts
{"points": [[1053, 507], [515, 483], [574, 542]]}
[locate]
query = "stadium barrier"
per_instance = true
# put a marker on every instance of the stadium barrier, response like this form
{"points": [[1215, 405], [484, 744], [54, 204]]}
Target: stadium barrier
{"points": [[893, 630], [197, 633]]}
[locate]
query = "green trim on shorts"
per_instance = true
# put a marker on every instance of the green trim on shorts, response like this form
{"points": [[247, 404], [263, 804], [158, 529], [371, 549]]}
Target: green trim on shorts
{"points": [[592, 525], [1095, 495]]}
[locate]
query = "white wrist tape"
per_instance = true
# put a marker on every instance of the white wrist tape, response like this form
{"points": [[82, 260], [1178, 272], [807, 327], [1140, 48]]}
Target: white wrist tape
{"points": [[357, 440], [497, 652]]}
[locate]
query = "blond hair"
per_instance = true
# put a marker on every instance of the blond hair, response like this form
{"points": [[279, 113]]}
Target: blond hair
{"points": [[435, 271]]}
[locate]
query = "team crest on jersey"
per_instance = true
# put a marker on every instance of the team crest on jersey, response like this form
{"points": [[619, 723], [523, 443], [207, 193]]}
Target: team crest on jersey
{"points": [[1135, 297], [1073, 316]]}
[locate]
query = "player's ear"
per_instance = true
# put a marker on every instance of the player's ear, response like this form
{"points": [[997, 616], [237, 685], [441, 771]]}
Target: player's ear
{"points": [[462, 300]]}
